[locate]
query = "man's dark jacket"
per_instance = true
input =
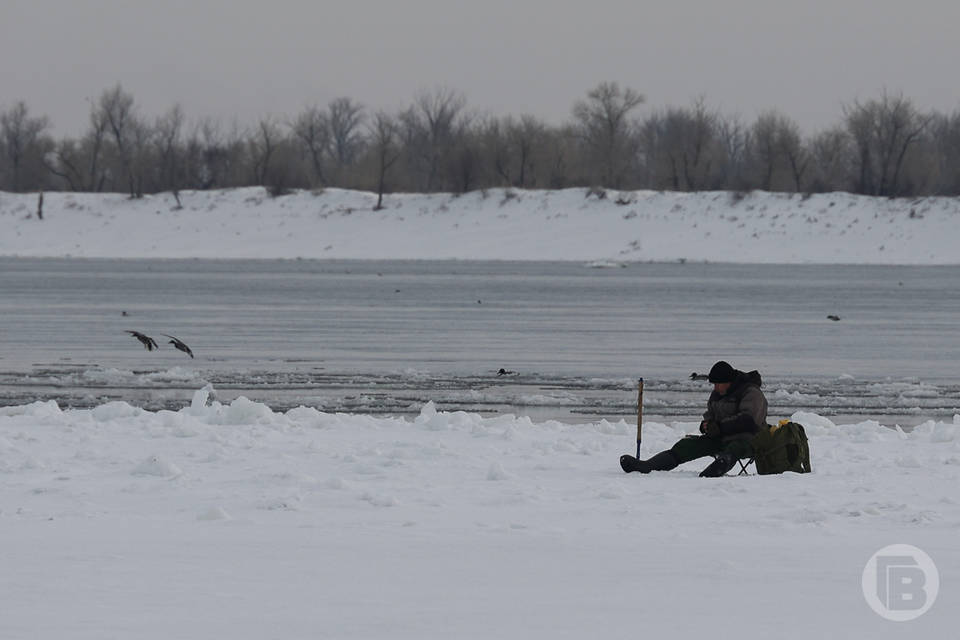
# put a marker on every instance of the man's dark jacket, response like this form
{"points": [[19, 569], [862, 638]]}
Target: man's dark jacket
{"points": [[742, 411]]}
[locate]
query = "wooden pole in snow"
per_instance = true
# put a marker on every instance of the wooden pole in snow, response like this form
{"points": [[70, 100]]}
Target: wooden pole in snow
{"points": [[639, 415]]}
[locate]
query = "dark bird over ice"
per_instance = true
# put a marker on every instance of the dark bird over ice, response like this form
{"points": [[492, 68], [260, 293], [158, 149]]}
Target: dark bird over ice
{"points": [[177, 343], [148, 343], [833, 317], [699, 376]]}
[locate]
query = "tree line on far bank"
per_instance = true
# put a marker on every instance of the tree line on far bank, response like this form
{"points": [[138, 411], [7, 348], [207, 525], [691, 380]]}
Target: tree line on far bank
{"points": [[884, 146]]}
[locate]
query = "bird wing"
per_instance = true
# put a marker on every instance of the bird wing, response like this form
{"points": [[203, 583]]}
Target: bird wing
{"points": [[146, 340], [179, 344]]}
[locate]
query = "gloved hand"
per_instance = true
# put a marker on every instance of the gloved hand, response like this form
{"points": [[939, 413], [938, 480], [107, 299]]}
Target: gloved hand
{"points": [[711, 429]]}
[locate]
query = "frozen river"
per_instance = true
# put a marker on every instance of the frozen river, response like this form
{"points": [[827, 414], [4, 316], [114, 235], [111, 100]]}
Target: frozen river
{"points": [[385, 337]]}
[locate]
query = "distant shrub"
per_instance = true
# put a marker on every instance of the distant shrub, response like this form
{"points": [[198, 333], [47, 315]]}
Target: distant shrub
{"points": [[277, 190], [597, 192]]}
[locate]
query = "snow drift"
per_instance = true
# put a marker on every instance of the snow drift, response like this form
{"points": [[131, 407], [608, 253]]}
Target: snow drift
{"points": [[235, 521], [496, 224]]}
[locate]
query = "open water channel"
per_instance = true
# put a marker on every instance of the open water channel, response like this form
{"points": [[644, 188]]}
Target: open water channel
{"points": [[386, 337]]}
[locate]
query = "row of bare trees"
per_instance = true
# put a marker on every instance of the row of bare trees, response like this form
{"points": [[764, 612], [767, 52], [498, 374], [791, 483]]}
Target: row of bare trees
{"points": [[885, 146]]}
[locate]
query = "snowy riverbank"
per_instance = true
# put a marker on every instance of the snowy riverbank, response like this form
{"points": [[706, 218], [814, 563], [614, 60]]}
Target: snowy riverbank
{"points": [[493, 225], [233, 521]]}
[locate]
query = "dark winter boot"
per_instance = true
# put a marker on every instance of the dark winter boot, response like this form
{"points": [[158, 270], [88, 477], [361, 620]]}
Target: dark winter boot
{"points": [[719, 467], [663, 461]]}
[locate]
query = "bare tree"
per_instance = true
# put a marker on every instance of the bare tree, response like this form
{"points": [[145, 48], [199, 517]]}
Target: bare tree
{"points": [[682, 146], [778, 151], [141, 145], [491, 131], [509, 148], [80, 164], [464, 164], [525, 137], [945, 135], [116, 110], [345, 117], [21, 138], [311, 129], [764, 135], [169, 132], [560, 147], [383, 138], [605, 128], [883, 130], [64, 162], [734, 140], [430, 128], [653, 152], [832, 156], [700, 157], [794, 151], [213, 155], [881, 147], [263, 144]]}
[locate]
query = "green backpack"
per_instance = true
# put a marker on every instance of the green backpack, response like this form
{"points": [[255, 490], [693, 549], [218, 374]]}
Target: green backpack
{"points": [[782, 448]]}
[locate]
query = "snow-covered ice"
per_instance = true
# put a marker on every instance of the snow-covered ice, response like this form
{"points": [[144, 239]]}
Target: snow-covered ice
{"points": [[234, 521]]}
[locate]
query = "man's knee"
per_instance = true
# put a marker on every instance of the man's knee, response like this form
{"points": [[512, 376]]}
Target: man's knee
{"points": [[693, 447]]}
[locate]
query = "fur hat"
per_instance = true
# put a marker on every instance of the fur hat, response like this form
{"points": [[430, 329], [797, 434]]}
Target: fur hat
{"points": [[722, 372]]}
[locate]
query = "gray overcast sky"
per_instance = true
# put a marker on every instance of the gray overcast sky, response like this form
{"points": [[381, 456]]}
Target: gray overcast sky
{"points": [[250, 58]]}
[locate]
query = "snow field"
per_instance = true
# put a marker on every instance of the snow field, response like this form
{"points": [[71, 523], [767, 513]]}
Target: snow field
{"points": [[496, 224], [236, 521]]}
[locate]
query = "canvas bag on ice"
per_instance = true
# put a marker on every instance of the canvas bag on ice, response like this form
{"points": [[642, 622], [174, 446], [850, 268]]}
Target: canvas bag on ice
{"points": [[782, 447]]}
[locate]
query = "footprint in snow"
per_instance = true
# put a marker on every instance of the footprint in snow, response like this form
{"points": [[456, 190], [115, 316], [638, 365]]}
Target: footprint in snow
{"points": [[380, 501], [157, 466], [214, 513], [496, 472]]}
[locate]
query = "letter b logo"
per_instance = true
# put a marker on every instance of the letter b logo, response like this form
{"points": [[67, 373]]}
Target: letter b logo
{"points": [[900, 582]]}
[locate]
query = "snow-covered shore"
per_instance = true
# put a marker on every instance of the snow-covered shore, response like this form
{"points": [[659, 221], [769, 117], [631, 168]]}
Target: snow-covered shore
{"points": [[491, 225], [234, 521]]}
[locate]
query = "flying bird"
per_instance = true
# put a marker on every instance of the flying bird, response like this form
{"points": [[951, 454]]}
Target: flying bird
{"points": [[178, 344], [699, 376], [833, 317], [148, 343]]}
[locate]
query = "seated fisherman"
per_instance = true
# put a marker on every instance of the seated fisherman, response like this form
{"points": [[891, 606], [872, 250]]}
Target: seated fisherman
{"points": [[736, 411]]}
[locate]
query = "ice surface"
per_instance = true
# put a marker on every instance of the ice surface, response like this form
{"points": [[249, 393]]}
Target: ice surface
{"points": [[236, 521]]}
